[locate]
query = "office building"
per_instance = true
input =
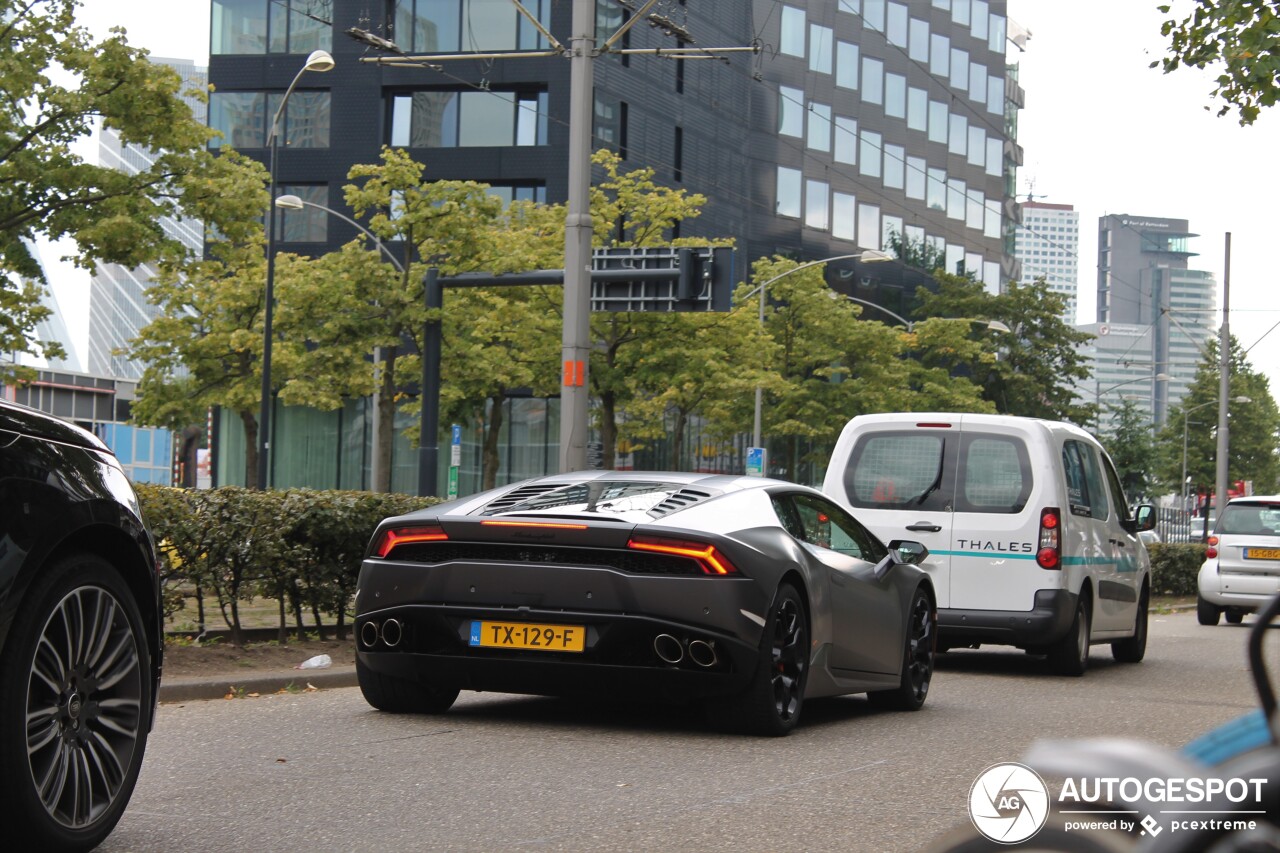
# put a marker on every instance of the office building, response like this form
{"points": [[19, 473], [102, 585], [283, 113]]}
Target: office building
{"points": [[859, 123], [118, 306], [1164, 312], [1048, 246]]}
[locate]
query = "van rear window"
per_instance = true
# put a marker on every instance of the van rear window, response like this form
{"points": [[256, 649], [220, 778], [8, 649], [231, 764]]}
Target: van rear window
{"points": [[971, 472], [889, 470]]}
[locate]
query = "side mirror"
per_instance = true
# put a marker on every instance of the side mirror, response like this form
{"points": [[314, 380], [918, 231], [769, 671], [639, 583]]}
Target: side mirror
{"points": [[1144, 518], [907, 551]]}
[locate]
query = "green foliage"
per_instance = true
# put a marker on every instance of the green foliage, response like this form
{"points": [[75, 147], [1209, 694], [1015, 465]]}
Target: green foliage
{"points": [[1239, 37], [1255, 428], [49, 190], [301, 547], [1040, 359], [1174, 568], [1132, 448]]}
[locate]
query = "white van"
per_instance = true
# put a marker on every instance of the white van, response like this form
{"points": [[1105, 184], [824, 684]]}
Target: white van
{"points": [[1031, 542]]}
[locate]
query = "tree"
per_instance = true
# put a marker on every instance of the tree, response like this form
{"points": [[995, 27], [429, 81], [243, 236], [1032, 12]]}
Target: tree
{"points": [[1040, 360], [1132, 448], [1255, 428], [49, 190], [1242, 37]]}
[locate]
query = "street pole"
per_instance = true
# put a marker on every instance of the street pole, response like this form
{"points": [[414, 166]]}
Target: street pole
{"points": [[1224, 382], [576, 335]]}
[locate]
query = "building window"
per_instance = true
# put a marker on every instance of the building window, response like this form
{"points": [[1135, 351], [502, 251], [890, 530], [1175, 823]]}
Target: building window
{"points": [[938, 122], [975, 208], [790, 111], [940, 55], [896, 29], [937, 191], [869, 154], [895, 96], [270, 26], [816, 204], [820, 49], [915, 177], [309, 225], [788, 200], [869, 226], [535, 192], [995, 94], [960, 11], [890, 227], [792, 41], [610, 124], [894, 163], [955, 198], [470, 119], [995, 156], [917, 109], [873, 14], [977, 146], [978, 23], [995, 39], [959, 135], [467, 26], [872, 80], [846, 147], [819, 131], [244, 119], [846, 65], [959, 70], [843, 215], [919, 50], [978, 83]]}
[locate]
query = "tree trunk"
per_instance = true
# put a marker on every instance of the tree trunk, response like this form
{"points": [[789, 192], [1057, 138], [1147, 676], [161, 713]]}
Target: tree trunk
{"points": [[282, 635], [677, 441], [315, 612], [609, 429], [492, 430], [250, 424], [341, 625], [386, 421], [237, 635]]}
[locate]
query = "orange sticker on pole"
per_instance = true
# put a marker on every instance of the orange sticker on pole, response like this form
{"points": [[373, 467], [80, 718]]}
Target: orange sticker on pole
{"points": [[575, 374]]}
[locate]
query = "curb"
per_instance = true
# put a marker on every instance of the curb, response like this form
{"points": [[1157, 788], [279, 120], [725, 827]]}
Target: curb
{"points": [[198, 689]]}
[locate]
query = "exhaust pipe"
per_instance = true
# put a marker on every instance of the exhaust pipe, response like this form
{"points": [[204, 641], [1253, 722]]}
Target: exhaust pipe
{"points": [[391, 633], [369, 634], [703, 653], [668, 648]]}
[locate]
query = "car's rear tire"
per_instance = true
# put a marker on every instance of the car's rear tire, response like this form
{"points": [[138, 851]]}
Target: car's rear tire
{"points": [[401, 696], [1206, 613], [75, 707], [1070, 655], [1134, 649], [917, 659], [771, 704], [1234, 617]]}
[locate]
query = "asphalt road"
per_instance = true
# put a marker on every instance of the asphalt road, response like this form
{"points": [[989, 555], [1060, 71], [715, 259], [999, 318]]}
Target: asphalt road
{"points": [[323, 771]]}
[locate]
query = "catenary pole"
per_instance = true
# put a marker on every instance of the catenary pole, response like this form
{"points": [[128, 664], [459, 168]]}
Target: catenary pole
{"points": [[1224, 382]]}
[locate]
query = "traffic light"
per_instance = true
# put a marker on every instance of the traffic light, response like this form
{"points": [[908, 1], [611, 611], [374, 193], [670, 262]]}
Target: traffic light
{"points": [[689, 284]]}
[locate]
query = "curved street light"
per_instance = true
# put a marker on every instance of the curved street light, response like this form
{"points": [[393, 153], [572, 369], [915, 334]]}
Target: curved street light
{"points": [[319, 61], [867, 256], [293, 202]]}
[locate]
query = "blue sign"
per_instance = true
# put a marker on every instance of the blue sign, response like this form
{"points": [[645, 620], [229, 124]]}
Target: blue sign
{"points": [[457, 435], [756, 461]]}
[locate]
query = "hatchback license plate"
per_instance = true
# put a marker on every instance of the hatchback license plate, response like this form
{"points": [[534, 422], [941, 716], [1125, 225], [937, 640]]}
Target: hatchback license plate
{"points": [[526, 635], [1262, 553]]}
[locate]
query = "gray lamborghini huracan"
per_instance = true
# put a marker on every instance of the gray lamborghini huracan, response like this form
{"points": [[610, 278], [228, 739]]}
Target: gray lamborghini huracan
{"points": [[748, 595]]}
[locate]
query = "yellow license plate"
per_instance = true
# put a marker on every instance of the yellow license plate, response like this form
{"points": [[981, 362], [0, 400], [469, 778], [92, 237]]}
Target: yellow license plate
{"points": [[526, 635], [1262, 553]]}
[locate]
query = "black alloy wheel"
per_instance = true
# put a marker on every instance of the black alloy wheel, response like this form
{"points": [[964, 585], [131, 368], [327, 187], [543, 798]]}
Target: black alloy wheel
{"points": [[1070, 655], [79, 692], [1134, 649], [771, 704], [918, 657]]}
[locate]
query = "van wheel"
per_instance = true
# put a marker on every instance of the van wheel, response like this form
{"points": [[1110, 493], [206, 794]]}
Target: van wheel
{"points": [[1206, 613], [1070, 655], [1134, 648]]}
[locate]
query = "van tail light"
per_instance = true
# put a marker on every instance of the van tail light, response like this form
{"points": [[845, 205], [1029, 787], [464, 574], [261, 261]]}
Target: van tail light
{"points": [[1212, 550], [395, 536], [711, 561], [1049, 554]]}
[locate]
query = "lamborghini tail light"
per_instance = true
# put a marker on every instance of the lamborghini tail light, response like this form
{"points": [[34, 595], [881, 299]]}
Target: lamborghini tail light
{"points": [[392, 537], [711, 561]]}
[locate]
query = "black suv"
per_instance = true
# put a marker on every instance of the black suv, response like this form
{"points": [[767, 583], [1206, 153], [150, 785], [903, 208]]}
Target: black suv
{"points": [[80, 634]]}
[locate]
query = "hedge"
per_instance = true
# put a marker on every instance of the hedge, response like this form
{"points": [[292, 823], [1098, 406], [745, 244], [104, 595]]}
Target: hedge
{"points": [[300, 547], [1174, 567]]}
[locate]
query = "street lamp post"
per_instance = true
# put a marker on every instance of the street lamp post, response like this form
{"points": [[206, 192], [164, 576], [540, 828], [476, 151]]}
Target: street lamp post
{"points": [[318, 60], [293, 202]]}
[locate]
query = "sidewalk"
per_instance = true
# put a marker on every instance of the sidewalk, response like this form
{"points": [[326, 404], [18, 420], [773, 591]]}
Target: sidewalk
{"points": [[218, 687]]}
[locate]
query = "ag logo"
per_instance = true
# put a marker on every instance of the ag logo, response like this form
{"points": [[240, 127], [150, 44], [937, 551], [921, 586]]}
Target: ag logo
{"points": [[1008, 803]]}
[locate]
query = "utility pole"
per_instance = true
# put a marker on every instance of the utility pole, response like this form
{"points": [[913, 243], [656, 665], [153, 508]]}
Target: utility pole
{"points": [[576, 334], [1224, 382]]}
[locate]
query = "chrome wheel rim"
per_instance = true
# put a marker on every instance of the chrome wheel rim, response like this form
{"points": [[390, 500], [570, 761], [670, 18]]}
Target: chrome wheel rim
{"points": [[789, 659], [84, 706], [920, 648]]}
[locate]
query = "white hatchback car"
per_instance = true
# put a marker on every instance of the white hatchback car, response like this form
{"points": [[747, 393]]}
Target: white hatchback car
{"points": [[1242, 569]]}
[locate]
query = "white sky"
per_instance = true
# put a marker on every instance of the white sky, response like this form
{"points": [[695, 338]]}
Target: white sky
{"points": [[1100, 131]]}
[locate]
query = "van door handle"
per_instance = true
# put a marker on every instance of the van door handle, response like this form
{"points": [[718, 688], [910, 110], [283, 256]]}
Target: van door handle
{"points": [[924, 527]]}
